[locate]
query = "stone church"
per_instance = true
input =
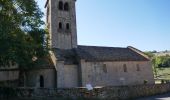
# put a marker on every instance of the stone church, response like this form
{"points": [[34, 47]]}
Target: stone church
{"points": [[73, 65]]}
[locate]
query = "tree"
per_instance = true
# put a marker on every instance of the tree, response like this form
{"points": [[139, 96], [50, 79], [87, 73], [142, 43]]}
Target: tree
{"points": [[149, 54], [153, 60], [163, 61], [22, 37]]}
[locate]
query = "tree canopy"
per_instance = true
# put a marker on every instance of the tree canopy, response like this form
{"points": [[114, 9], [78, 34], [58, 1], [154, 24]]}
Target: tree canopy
{"points": [[163, 61], [22, 37]]}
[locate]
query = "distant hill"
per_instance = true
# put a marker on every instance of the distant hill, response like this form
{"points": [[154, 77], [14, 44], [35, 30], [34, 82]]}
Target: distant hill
{"points": [[162, 53]]}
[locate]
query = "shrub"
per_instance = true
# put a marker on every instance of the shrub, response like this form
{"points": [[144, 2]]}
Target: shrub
{"points": [[145, 81]]}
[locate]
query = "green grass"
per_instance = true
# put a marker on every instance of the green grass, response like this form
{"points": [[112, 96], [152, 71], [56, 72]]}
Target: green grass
{"points": [[163, 73]]}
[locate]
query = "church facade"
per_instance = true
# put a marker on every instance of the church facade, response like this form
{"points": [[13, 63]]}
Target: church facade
{"points": [[72, 65], [78, 65]]}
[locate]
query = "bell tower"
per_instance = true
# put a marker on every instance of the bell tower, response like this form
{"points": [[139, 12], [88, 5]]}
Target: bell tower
{"points": [[61, 22]]}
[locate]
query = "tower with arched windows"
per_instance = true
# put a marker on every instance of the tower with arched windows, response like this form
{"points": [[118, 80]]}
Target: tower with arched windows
{"points": [[61, 21], [78, 65]]}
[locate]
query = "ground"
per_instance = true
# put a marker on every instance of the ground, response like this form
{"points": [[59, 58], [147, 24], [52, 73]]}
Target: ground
{"points": [[157, 97], [163, 74], [165, 96]]}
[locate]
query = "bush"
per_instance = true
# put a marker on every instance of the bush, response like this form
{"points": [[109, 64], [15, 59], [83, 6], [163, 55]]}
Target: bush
{"points": [[145, 81]]}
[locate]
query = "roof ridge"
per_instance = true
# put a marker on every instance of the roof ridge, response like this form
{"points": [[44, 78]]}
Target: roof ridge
{"points": [[100, 46], [138, 51]]}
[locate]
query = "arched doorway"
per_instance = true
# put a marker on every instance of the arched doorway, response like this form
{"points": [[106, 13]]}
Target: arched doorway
{"points": [[41, 81]]}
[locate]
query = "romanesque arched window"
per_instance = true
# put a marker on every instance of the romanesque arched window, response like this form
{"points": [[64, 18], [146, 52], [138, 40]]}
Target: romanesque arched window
{"points": [[67, 26], [60, 5], [66, 6], [60, 26]]}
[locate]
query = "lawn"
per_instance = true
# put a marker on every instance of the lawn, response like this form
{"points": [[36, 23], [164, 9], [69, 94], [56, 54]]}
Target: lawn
{"points": [[163, 73]]}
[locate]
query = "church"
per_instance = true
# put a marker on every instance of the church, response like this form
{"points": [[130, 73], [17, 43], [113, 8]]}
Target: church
{"points": [[72, 65]]}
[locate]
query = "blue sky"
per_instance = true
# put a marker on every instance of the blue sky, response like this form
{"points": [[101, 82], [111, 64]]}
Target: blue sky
{"points": [[144, 24]]}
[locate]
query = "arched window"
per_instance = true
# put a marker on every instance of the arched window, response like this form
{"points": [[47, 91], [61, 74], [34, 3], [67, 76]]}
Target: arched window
{"points": [[124, 68], [60, 5], [67, 26], [60, 26], [66, 6], [41, 81]]}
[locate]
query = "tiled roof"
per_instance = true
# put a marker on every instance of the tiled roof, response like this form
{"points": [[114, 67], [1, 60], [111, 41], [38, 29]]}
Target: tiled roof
{"points": [[68, 56], [94, 53]]}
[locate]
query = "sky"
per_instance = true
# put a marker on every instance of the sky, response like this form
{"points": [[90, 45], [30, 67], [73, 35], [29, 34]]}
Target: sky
{"points": [[143, 24]]}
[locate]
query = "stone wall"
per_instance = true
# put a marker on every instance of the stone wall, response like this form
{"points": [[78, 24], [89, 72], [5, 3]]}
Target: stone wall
{"points": [[32, 77], [105, 93], [112, 73], [67, 75], [62, 39], [9, 75]]}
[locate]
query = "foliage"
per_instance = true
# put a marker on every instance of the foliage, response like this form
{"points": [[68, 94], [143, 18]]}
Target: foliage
{"points": [[159, 61], [153, 60], [145, 81], [149, 54], [21, 34], [163, 61], [161, 65]]}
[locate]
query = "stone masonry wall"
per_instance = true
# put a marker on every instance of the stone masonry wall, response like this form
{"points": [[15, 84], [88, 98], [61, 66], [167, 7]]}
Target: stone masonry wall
{"points": [[105, 93], [32, 78], [62, 39], [67, 75], [112, 73]]}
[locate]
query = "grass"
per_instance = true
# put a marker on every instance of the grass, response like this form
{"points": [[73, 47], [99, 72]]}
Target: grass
{"points": [[163, 73]]}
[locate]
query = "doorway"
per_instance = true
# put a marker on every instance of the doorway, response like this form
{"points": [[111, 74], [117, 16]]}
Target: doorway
{"points": [[41, 81]]}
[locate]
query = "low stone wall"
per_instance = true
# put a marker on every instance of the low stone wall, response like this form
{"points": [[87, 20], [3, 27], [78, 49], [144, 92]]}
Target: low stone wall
{"points": [[105, 93]]}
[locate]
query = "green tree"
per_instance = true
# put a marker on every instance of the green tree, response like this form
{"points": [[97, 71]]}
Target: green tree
{"points": [[22, 36], [150, 54], [163, 61], [153, 60]]}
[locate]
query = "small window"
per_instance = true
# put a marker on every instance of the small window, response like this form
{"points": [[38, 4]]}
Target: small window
{"points": [[60, 26], [66, 6], [124, 68], [68, 26], [60, 5], [137, 67], [104, 68]]}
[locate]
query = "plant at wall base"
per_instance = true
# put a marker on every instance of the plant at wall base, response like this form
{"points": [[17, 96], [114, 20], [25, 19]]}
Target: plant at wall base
{"points": [[163, 81], [145, 81]]}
